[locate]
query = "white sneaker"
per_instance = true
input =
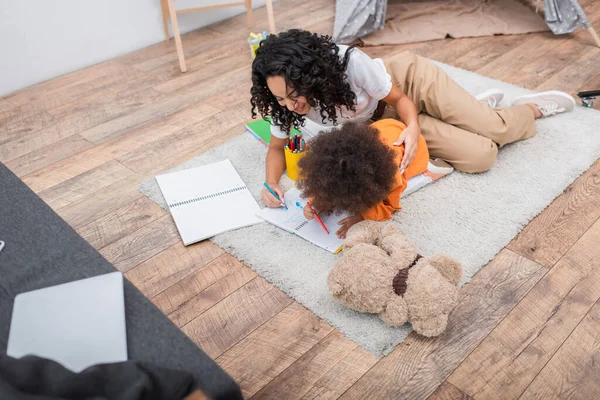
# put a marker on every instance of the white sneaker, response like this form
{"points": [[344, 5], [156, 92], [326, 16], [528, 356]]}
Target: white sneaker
{"points": [[549, 103], [492, 97], [438, 168]]}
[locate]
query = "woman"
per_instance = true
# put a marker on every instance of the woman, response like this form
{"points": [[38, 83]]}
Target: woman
{"points": [[299, 75]]}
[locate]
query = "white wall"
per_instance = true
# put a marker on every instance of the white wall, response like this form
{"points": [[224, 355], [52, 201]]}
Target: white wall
{"points": [[43, 39]]}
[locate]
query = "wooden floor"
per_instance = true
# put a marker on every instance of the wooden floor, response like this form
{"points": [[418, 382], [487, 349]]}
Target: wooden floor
{"points": [[527, 325]]}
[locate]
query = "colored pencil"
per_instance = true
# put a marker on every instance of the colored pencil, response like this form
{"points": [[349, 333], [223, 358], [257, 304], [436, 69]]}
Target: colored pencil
{"points": [[318, 218]]}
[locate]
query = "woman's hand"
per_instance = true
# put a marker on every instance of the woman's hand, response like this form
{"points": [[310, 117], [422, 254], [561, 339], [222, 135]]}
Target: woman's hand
{"points": [[407, 111], [309, 213], [270, 200], [410, 138], [346, 224]]}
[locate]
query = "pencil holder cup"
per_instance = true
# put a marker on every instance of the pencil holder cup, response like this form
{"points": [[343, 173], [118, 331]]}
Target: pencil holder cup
{"points": [[254, 43], [291, 163]]}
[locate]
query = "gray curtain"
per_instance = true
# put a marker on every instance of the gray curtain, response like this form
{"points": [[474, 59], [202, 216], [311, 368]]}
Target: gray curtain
{"points": [[357, 18], [564, 16]]}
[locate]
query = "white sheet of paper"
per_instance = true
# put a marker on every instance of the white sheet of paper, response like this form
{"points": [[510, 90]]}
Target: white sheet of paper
{"points": [[208, 200], [292, 220]]}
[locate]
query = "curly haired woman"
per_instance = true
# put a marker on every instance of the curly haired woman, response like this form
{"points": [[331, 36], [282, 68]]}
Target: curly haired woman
{"points": [[299, 75]]}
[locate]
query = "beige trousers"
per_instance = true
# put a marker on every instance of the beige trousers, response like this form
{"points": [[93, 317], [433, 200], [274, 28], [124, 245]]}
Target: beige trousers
{"points": [[458, 128]]}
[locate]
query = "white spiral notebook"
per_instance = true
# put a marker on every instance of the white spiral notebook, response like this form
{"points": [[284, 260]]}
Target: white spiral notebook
{"points": [[208, 200], [293, 221]]}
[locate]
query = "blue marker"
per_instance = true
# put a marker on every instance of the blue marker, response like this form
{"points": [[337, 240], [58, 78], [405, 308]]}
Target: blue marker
{"points": [[275, 194]]}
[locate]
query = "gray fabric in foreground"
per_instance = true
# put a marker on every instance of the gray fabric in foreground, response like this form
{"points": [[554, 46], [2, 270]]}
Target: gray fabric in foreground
{"points": [[468, 216], [43, 250]]}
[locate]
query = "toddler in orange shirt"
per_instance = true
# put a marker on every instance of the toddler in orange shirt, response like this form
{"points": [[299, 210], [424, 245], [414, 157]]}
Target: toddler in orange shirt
{"points": [[355, 168]]}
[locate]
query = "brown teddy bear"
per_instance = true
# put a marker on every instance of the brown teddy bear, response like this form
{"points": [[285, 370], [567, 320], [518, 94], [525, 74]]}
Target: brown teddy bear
{"points": [[380, 272]]}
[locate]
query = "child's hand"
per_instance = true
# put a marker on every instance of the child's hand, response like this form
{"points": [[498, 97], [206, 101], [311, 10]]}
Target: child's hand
{"points": [[309, 212], [346, 224]]}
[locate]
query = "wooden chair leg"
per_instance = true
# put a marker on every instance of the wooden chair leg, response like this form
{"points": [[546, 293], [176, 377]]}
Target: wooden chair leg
{"points": [[249, 12], [164, 8], [269, 4], [176, 35], [594, 35]]}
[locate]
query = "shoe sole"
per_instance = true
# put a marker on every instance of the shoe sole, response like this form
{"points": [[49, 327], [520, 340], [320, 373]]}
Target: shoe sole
{"points": [[524, 99], [437, 169]]}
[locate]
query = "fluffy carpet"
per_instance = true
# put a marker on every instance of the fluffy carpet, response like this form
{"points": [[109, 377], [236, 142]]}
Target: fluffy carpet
{"points": [[471, 217]]}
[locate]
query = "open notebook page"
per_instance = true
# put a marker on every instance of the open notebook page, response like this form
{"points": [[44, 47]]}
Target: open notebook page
{"points": [[292, 220], [208, 200]]}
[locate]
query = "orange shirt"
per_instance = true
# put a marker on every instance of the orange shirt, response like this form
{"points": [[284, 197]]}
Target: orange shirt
{"points": [[389, 130]]}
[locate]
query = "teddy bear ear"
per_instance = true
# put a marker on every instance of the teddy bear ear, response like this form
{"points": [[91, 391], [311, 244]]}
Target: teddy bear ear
{"points": [[389, 229], [400, 249], [363, 232]]}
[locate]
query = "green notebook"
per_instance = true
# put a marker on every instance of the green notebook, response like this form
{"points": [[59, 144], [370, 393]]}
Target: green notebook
{"points": [[261, 130]]}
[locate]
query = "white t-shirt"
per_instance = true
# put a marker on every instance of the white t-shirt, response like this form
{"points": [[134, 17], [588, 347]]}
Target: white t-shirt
{"points": [[369, 81]]}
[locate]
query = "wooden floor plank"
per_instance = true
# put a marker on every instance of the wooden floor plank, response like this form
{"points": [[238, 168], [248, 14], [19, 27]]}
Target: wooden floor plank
{"points": [[5, 105], [418, 366], [497, 46], [84, 185], [512, 61], [537, 72], [236, 316], [40, 158], [278, 343], [101, 203], [80, 121], [14, 128], [512, 355], [117, 147], [561, 57], [574, 370], [97, 85], [219, 279], [302, 374], [121, 222], [154, 110], [210, 65], [65, 82], [343, 375], [448, 391], [548, 237], [574, 75], [186, 140], [177, 266], [142, 244]]}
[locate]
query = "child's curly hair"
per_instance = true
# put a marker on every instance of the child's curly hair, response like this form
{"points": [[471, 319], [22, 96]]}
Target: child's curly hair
{"points": [[347, 169], [310, 64]]}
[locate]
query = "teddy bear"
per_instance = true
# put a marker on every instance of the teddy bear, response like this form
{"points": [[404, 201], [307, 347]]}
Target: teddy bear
{"points": [[380, 272]]}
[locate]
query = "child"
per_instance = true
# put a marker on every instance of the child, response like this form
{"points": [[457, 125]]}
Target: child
{"points": [[356, 169]]}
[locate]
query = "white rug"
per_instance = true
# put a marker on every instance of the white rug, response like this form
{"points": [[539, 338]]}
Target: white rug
{"points": [[471, 217]]}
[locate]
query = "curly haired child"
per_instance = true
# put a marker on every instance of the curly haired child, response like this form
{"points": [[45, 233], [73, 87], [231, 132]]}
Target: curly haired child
{"points": [[356, 169]]}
